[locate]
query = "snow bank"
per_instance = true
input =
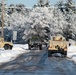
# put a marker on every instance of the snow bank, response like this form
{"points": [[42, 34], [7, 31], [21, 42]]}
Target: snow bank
{"points": [[71, 53], [9, 55], [23, 46]]}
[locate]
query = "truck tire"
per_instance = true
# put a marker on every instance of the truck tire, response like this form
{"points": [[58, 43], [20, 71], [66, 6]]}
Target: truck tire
{"points": [[11, 47], [29, 47], [7, 46], [40, 47], [49, 53], [65, 53]]}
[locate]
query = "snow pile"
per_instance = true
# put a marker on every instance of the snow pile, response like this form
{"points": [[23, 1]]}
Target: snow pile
{"points": [[72, 52], [20, 46], [9, 55], [72, 42]]}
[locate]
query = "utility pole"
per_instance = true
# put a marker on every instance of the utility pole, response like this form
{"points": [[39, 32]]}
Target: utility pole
{"points": [[2, 18]]}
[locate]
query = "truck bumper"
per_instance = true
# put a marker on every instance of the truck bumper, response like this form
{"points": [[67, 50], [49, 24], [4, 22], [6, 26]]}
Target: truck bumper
{"points": [[50, 52]]}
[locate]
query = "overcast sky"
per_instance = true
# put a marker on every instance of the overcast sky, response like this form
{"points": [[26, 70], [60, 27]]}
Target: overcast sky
{"points": [[28, 3]]}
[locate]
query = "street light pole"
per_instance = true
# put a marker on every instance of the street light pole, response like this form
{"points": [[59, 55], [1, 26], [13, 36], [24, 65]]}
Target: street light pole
{"points": [[3, 18]]}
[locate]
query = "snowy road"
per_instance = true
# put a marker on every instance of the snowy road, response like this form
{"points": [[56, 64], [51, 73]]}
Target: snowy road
{"points": [[36, 62]]}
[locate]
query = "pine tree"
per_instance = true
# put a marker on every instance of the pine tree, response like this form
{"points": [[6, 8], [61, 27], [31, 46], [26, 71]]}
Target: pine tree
{"points": [[60, 5], [42, 3], [70, 5]]}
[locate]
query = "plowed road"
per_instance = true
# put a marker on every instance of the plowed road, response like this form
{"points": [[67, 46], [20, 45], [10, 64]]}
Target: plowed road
{"points": [[36, 62]]}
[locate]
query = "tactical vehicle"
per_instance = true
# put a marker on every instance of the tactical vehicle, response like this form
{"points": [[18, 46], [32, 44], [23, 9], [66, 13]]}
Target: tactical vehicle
{"points": [[35, 41], [5, 45], [57, 44]]}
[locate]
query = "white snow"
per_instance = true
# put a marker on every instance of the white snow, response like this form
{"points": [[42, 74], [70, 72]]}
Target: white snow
{"points": [[9, 55], [72, 52], [22, 46]]}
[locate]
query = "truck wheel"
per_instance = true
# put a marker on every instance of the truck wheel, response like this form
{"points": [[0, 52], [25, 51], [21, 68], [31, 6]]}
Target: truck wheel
{"points": [[40, 47], [65, 53], [6, 47], [11, 47], [49, 53], [29, 47]]}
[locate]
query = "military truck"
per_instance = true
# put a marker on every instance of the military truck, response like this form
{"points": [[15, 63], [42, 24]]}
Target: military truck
{"points": [[57, 44], [5, 45], [35, 41]]}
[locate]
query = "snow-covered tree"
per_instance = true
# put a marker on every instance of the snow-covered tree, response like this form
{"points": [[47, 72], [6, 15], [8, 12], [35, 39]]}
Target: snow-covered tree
{"points": [[15, 22], [70, 5], [43, 21], [42, 3], [69, 16], [38, 20], [42, 18]]}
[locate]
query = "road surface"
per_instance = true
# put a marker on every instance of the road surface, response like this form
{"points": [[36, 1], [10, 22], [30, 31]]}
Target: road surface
{"points": [[36, 62]]}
